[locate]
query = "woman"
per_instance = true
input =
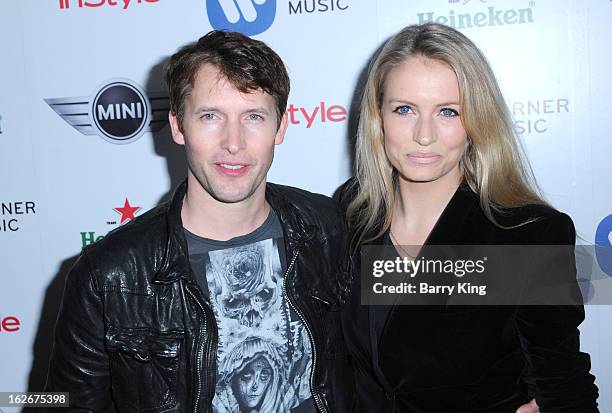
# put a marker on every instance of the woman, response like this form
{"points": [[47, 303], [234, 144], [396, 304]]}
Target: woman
{"points": [[254, 380], [437, 163]]}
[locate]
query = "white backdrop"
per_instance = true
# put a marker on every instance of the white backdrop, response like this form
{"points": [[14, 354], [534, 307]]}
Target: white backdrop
{"points": [[61, 188]]}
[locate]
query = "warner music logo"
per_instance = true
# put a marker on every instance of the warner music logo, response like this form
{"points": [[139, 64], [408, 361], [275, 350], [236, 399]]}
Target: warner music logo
{"points": [[118, 111], [127, 213], [12, 211], [533, 116], [249, 17], [123, 4], [319, 6], [603, 245], [493, 17]]}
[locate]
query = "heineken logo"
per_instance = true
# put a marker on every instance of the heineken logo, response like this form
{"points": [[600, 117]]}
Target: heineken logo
{"points": [[492, 17]]}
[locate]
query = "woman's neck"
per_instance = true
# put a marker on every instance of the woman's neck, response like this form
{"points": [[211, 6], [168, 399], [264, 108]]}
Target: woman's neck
{"points": [[418, 207]]}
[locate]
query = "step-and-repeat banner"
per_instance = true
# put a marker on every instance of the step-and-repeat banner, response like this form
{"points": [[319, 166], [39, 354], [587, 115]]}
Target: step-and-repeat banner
{"points": [[85, 145]]}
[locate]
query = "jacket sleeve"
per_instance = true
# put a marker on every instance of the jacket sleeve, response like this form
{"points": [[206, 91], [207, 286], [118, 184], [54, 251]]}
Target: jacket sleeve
{"points": [[79, 364], [557, 372]]}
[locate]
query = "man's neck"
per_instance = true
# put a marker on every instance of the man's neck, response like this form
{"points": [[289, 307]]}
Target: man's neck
{"points": [[207, 217]]}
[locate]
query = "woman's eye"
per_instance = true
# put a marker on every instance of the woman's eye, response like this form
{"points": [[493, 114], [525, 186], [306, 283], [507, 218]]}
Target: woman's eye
{"points": [[449, 113], [403, 109], [246, 376], [265, 375]]}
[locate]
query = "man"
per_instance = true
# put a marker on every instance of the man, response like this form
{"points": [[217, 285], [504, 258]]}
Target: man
{"points": [[225, 299]]}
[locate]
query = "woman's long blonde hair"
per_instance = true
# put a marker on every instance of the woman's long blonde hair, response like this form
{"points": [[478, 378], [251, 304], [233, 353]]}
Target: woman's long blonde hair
{"points": [[493, 164]]}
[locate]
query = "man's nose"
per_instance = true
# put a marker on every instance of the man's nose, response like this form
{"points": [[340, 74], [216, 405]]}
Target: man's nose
{"points": [[233, 140]]}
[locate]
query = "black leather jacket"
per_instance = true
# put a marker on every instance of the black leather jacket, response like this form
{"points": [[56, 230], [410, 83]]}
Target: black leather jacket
{"points": [[135, 327]]}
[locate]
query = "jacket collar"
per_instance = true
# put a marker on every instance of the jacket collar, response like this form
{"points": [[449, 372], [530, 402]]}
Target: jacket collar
{"points": [[297, 232], [451, 227], [175, 244], [175, 262]]}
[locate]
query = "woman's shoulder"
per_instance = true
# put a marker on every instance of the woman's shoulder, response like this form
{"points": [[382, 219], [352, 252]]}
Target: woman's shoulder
{"points": [[540, 222], [531, 213]]}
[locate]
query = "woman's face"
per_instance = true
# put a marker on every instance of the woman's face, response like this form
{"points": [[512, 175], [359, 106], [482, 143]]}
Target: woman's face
{"points": [[424, 136], [252, 382]]}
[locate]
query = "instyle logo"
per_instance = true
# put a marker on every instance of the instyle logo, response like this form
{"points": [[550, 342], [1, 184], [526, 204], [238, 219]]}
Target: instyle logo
{"points": [[492, 17], [249, 17], [316, 6], [124, 4], [533, 116], [127, 213], [119, 111], [321, 113], [9, 324], [12, 212], [603, 245]]}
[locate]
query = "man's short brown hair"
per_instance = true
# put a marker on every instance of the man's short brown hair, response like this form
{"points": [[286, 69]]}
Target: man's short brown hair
{"points": [[247, 63]]}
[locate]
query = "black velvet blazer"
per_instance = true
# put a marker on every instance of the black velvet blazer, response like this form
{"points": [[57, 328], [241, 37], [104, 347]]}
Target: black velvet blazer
{"points": [[470, 359]]}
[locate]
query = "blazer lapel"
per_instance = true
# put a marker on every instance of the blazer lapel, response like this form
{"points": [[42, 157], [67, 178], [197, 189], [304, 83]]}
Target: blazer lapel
{"points": [[452, 227]]}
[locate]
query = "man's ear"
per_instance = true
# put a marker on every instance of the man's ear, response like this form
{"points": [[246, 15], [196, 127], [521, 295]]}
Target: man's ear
{"points": [[282, 128], [177, 134]]}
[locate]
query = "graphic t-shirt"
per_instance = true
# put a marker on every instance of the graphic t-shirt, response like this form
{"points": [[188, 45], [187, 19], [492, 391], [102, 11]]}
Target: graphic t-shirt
{"points": [[264, 357]]}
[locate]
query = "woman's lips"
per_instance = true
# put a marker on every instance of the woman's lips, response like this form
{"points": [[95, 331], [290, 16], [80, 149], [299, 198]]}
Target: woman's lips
{"points": [[423, 158]]}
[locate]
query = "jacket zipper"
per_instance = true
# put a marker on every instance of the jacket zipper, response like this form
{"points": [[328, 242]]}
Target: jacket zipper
{"points": [[317, 399], [200, 354]]}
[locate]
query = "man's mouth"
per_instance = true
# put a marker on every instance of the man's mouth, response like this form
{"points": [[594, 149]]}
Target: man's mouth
{"points": [[232, 169]]}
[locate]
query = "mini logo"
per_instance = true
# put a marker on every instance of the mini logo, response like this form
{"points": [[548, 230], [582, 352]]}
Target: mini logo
{"points": [[249, 17], [603, 245], [119, 111]]}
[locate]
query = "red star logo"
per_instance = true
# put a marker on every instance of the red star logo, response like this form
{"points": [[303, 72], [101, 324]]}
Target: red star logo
{"points": [[127, 211]]}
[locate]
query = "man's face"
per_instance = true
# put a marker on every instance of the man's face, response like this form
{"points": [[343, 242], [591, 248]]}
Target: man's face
{"points": [[229, 136]]}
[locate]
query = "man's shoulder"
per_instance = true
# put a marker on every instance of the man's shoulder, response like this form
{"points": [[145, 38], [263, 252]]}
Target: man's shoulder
{"points": [[311, 208], [299, 193], [138, 239], [304, 199]]}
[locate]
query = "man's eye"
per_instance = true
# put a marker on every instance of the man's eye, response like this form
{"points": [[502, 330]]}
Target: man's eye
{"points": [[403, 109], [449, 113], [255, 116], [208, 116]]}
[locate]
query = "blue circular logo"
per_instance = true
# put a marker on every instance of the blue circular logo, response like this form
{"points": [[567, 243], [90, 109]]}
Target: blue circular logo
{"points": [[603, 245], [249, 17]]}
